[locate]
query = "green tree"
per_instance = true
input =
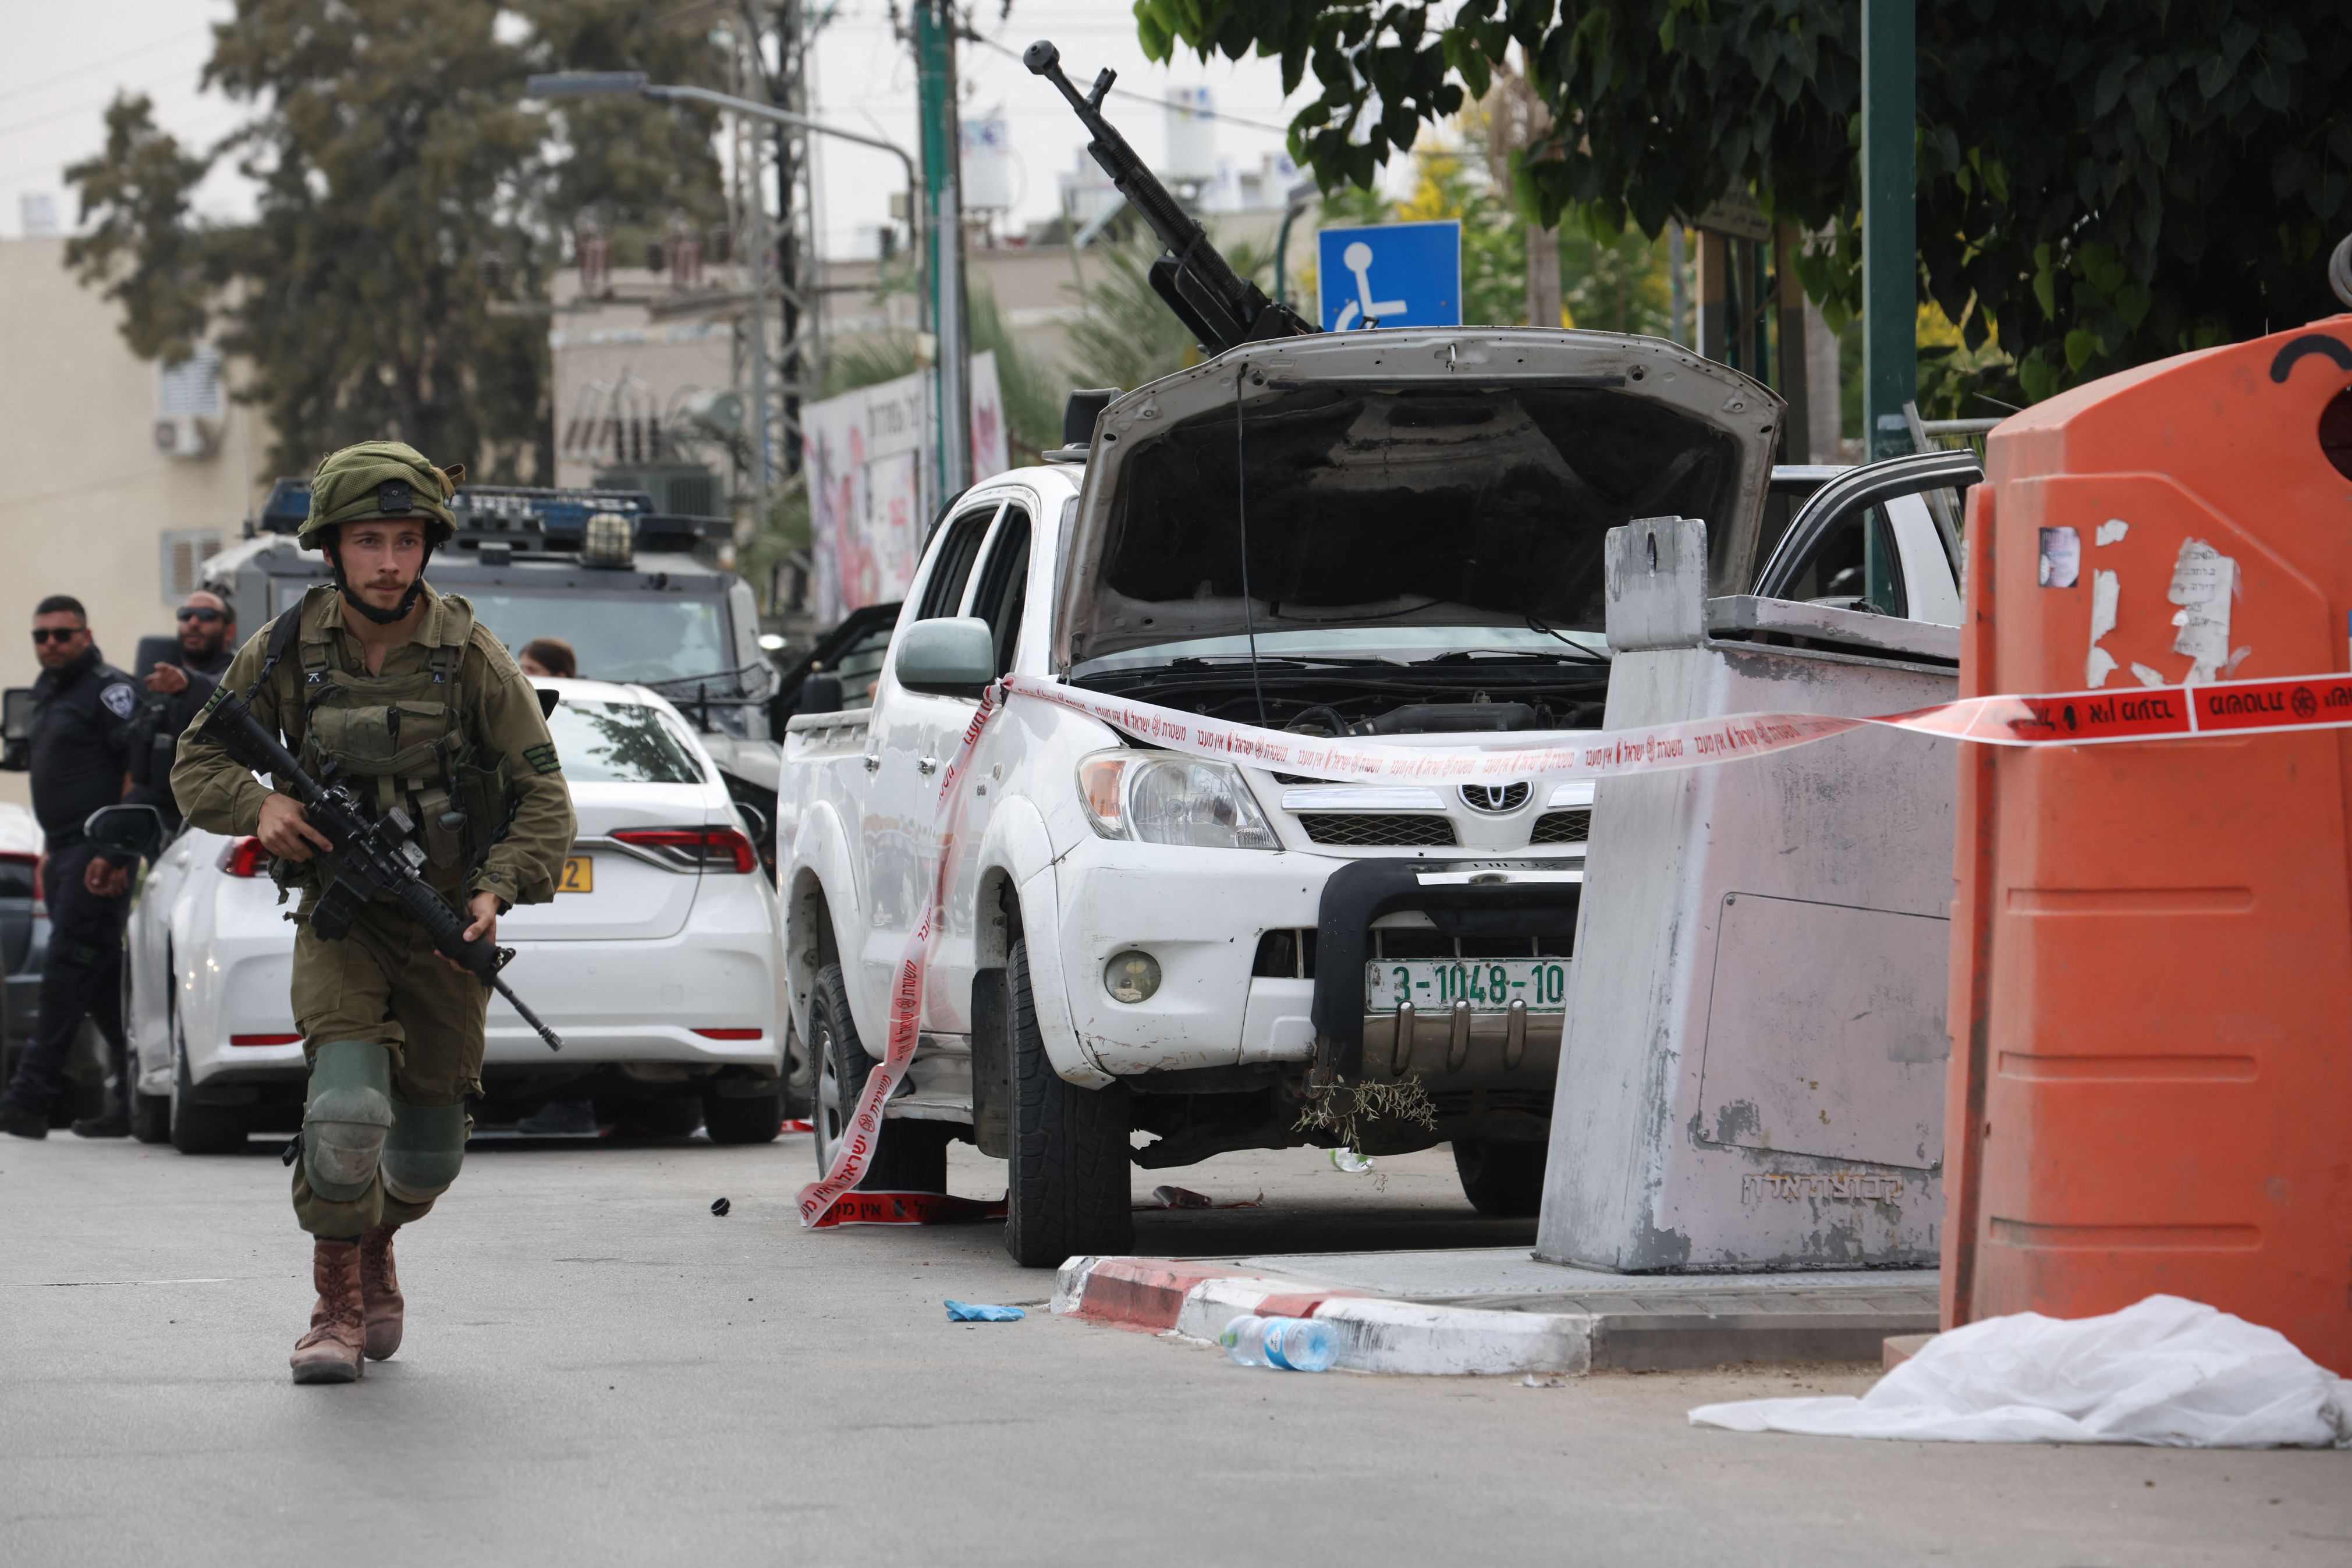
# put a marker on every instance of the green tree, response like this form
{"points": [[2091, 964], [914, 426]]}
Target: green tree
{"points": [[1126, 334], [2100, 182], [405, 189]]}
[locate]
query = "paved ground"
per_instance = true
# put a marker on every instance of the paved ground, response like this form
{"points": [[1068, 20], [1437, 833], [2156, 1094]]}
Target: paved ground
{"points": [[598, 1370]]}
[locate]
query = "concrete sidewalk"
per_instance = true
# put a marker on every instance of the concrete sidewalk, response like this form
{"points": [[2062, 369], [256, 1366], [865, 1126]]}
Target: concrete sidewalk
{"points": [[1498, 1311]]}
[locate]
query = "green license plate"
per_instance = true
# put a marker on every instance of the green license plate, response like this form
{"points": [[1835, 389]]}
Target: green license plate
{"points": [[1488, 984]]}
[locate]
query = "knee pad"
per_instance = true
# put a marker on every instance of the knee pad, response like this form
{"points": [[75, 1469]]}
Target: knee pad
{"points": [[346, 1116], [422, 1154]]}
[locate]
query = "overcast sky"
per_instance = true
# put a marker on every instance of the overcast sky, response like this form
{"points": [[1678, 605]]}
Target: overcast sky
{"points": [[67, 59]]}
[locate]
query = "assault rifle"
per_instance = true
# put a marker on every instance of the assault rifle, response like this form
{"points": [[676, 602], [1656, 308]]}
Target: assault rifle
{"points": [[370, 856], [1221, 307]]}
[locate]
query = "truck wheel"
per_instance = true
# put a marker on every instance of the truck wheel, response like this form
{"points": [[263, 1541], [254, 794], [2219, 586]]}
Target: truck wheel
{"points": [[201, 1129], [909, 1156], [1502, 1180], [743, 1120], [800, 1073], [1067, 1177]]}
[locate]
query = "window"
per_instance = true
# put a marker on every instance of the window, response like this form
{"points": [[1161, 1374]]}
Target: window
{"points": [[640, 635], [1855, 564], [185, 551], [192, 388], [959, 545], [1004, 586], [619, 742]]}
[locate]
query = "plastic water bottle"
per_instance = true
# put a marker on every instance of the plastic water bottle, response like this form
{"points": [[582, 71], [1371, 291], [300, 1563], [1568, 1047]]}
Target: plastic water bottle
{"points": [[1287, 1344]]}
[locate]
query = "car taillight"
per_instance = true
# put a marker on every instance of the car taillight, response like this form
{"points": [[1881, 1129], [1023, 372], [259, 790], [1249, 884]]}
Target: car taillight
{"points": [[710, 848], [244, 857], [729, 1034], [265, 1039]]}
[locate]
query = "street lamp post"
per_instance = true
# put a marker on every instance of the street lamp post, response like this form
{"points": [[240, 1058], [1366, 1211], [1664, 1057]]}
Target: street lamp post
{"points": [[595, 84]]}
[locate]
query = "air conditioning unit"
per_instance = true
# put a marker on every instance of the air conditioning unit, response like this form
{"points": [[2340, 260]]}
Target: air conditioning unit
{"points": [[185, 436]]}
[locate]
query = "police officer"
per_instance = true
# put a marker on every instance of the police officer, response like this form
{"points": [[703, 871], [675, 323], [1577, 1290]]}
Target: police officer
{"points": [[81, 716], [175, 691], [415, 705]]}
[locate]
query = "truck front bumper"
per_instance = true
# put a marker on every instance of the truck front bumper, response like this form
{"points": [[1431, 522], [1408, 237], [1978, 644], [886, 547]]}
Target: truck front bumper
{"points": [[1201, 915]]}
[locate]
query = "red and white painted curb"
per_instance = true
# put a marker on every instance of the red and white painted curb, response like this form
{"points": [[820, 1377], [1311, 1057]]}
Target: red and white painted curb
{"points": [[1198, 1300]]}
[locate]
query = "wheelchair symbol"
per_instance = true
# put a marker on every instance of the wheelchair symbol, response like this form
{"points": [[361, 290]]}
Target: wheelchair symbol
{"points": [[1357, 258]]}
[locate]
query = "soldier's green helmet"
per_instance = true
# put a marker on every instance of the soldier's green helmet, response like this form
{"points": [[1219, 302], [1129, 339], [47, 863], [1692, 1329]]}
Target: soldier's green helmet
{"points": [[380, 479]]}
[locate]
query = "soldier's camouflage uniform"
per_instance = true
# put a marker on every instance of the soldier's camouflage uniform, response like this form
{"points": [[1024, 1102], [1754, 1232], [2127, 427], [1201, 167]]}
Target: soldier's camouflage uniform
{"points": [[383, 982]]}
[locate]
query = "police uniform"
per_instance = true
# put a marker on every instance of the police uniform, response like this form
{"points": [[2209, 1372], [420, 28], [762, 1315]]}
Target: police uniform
{"points": [[450, 731], [155, 732], [81, 721]]}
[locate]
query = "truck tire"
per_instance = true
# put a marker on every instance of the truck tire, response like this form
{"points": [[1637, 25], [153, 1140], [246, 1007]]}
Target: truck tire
{"points": [[1067, 1177], [909, 1156], [755, 1121], [800, 1074], [1502, 1180], [201, 1129]]}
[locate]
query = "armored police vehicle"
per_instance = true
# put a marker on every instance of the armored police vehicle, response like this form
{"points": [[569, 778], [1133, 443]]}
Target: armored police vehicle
{"points": [[641, 607]]}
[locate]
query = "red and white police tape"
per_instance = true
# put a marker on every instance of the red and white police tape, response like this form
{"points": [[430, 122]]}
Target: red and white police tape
{"points": [[2065, 719]]}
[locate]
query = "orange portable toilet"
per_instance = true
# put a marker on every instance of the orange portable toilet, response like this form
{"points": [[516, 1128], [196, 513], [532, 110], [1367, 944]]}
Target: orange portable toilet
{"points": [[2151, 975]]}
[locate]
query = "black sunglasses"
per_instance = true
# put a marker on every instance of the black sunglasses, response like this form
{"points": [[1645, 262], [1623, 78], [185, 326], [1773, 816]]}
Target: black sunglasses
{"points": [[198, 613], [57, 634]]}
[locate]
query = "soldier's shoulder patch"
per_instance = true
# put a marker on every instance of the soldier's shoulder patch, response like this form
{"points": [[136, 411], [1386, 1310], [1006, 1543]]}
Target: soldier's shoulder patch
{"points": [[119, 698], [215, 701], [542, 757]]}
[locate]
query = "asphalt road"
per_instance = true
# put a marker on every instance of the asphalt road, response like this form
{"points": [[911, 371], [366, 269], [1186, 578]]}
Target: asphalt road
{"points": [[598, 1370]]}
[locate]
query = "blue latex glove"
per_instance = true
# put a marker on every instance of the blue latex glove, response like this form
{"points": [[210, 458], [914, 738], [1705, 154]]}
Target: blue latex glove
{"points": [[979, 1312]]}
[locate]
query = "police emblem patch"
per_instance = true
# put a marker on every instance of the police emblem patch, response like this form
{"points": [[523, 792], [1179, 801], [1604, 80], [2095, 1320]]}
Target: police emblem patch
{"points": [[119, 698]]}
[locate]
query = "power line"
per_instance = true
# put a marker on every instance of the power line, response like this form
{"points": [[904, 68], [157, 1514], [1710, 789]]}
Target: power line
{"points": [[146, 48], [1146, 98], [89, 104]]}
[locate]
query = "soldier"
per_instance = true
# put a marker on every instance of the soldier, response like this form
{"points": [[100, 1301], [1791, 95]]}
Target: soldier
{"points": [[396, 690]]}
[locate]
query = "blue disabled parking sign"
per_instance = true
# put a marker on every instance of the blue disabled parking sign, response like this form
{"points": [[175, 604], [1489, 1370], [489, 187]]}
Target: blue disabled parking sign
{"points": [[1390, 275]]}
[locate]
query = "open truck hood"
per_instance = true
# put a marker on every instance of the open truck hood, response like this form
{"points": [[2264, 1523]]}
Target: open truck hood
{"points": [[1404, 478]]}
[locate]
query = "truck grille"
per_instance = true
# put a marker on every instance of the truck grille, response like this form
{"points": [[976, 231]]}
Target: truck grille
{"points": [[1366, 830], [1563, 826]]}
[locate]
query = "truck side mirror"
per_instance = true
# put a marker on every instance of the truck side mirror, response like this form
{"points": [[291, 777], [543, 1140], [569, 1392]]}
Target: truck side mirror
{"points": [[126, 829], [947, 656], [16, 728]]}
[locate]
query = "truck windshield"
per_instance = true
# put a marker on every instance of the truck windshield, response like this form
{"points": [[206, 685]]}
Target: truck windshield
{"points": [[641, 636], [618, 743]]}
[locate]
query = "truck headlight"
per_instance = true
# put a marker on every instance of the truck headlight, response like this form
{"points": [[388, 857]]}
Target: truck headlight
{"points": [[1160, 799]]}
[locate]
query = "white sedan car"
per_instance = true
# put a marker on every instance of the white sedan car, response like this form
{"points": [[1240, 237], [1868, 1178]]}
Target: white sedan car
{"points": [[655, 960]]}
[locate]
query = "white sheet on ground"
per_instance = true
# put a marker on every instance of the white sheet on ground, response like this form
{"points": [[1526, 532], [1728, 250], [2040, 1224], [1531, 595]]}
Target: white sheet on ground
{"points": [[2168, 1371]]}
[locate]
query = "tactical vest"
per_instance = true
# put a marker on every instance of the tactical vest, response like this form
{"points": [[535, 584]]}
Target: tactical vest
{"points": [[400, 741]]}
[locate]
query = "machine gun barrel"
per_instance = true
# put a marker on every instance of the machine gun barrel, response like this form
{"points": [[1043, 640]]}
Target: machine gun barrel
{"points": [[1221, 307], [365, 862]]}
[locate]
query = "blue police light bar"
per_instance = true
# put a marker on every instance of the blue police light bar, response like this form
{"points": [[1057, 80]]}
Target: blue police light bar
{"points": [[583, 84]]}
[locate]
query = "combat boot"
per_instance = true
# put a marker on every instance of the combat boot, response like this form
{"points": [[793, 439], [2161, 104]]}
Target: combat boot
{"points": [[330, 1353], [380, 1292]]}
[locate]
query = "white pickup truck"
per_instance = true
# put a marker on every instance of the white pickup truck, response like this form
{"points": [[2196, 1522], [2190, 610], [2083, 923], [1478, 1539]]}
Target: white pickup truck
{"points": [[1392, 533]]}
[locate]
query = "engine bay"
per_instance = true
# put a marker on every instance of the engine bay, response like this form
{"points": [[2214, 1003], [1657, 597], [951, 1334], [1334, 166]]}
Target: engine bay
{"points": [[1455, 694]]}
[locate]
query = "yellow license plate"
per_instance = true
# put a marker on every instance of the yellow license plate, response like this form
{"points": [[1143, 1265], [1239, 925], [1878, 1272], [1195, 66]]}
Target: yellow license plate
{"points": [[579, 875]]}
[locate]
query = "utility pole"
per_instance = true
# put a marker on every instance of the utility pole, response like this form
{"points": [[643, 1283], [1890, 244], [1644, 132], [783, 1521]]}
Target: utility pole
{"points": [[796, 255], [934, 41], [749, 155], [1890, 224]]}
